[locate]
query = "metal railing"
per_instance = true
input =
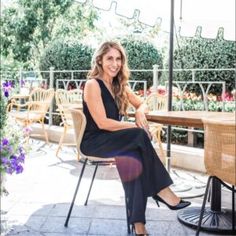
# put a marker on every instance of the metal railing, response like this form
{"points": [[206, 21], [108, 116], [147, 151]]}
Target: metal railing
{"points": [[53, 78], [78, 84]]}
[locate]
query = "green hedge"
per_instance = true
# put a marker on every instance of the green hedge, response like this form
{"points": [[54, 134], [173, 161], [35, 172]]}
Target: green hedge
{"points": [[142, 55], [202, 53], [3, 115], [66, 55]]}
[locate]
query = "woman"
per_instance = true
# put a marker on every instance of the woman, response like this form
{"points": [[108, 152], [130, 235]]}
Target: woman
{"points": [[106, 98]]}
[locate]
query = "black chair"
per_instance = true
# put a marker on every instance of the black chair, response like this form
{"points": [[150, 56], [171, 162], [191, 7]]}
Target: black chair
{"points": [[79, 121]]}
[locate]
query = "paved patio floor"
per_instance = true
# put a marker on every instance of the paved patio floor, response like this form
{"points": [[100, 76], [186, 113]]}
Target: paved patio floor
{"points": [[39, 199]]}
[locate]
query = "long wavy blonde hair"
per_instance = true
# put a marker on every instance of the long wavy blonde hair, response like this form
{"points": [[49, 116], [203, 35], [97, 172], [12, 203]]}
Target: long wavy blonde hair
{"points": [[120, 81]]}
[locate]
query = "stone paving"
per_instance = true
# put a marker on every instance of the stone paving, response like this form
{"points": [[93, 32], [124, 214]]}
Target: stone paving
{"points": [[39, 199]]}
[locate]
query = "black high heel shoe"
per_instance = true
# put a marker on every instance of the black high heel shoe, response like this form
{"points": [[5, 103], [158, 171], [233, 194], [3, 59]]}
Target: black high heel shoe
{"points": [[182, 204], [133, 232]]}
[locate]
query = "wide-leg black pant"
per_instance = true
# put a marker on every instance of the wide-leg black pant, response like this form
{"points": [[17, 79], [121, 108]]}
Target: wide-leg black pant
{"points": [[140, 169]]}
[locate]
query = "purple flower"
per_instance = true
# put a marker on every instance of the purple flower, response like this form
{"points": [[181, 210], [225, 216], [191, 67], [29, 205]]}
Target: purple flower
{"points": [[22, 83], [5, 141], [19, 169], [11, 162], [9, 170], [6, 93], [27, 130], [4, 161], [21, 157], [7, 86]]}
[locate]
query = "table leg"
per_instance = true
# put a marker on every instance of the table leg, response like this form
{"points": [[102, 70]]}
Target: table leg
{"points": [[215, 219]]}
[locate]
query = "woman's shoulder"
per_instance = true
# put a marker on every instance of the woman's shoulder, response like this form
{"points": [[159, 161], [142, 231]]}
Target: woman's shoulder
{"points": [[92, 81], [92, 84]]}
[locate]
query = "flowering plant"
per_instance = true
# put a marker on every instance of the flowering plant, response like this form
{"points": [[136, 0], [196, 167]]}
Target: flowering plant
{"points": [[12, 149], [12, 155], [7, 87]]}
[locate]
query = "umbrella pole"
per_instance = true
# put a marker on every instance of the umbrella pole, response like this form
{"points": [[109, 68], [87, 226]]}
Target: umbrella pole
{"points": [[171, 46]]}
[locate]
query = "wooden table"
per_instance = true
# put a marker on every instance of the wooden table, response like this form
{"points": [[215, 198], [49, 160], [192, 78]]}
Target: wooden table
{"points": [[187, 118], [219, 220]]}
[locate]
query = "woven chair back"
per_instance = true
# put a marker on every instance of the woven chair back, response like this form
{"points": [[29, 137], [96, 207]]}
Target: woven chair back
{"points": [[79, 122], [156, 102], [65, 98], [40, 100], [219, 145]]}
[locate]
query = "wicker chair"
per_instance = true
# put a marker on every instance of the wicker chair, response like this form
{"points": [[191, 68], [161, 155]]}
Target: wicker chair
{"points": [[66, 99], [79, 121], [34, 110], [156, 102], [220, 159]]}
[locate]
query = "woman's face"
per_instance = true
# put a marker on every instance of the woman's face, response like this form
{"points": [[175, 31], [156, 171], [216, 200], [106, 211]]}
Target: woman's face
{"points": [[111, 63]]}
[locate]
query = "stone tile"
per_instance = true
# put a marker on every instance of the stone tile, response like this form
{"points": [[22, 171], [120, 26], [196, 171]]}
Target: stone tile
{"points": [[24, 232], [61, 210], [176, 228], [157, 228], [160, 213], [75, 225], [40, 198], [20, 224], [108, 227], [110, 212], [27, 209], [64, 234]]}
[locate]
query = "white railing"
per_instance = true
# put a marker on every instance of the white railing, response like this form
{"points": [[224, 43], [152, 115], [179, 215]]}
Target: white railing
{"points": [[53, 78]]}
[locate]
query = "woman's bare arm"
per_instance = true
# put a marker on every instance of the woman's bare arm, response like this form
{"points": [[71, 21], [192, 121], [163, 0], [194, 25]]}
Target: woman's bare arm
{"points": [[93, 99], [141, 110]]}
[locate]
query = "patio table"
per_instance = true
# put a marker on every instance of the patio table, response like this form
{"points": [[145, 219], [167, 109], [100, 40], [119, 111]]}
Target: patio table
{"points": [[220, 219]]}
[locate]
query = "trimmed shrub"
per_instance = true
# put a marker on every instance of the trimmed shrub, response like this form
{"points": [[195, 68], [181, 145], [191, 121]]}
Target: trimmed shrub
{"points": [[3, 106], [204, 53], [66, 55], [142, 55]]}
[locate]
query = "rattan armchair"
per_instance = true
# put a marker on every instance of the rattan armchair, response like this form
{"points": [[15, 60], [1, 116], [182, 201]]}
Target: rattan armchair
{"points": [[220, 160], [79, 121], [66, 99], [34, 110], [156, 102]]}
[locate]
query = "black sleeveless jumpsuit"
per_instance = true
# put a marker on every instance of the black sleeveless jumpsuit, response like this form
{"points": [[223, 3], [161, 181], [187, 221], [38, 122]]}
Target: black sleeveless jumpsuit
{"points": [[140, 169]]}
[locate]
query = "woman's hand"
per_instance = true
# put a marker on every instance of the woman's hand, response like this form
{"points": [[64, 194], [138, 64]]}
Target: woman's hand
{"points": [[142, 122], [141, 110], [140, 119]]}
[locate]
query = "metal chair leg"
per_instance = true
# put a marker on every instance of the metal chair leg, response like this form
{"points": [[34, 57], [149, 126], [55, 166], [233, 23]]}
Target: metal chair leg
{"points": [[203, 205], [127, 215], [76, 190], [91, 184], [233, 209]]}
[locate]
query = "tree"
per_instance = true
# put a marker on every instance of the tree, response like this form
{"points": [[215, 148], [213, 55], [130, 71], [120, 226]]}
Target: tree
{"points": [[28, 26]]}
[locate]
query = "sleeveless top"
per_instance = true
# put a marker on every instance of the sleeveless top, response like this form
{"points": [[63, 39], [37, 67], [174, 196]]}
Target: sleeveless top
{"points": [[110, 106]]}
